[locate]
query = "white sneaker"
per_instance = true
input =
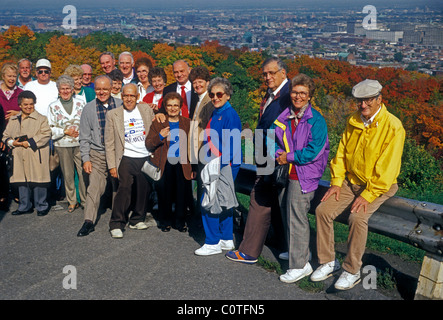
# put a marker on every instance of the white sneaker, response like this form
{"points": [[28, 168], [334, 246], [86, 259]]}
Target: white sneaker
{"points": [[227, 244], [139, 226], [293, 275], [284, 256], [325, 271], [116, 233], [347, 280], [208, 249], [150, 221]]}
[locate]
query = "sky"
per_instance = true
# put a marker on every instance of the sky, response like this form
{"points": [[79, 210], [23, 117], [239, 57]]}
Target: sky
{"points": [[45, 4]]}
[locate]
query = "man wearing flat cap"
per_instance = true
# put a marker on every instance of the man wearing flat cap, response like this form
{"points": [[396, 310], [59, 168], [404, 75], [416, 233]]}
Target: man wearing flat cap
{"points": [[363, 176]]}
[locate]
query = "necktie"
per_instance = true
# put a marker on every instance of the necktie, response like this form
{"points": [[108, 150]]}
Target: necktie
{"points": [[185, 112]]}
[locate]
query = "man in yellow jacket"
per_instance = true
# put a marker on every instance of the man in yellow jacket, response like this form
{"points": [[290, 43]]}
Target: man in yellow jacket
{"points": [[363, 175]]}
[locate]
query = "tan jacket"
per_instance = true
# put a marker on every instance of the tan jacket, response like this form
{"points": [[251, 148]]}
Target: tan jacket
{"points": [[198, 124], [30, 164], [115, 132]]}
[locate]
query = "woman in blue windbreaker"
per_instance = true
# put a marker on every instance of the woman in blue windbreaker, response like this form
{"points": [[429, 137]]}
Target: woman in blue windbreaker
{"points": [[222, 142], [302, 141]]}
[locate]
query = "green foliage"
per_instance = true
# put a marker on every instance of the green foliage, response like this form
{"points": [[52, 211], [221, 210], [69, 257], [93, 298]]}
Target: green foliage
{"points": [[420, 172]]}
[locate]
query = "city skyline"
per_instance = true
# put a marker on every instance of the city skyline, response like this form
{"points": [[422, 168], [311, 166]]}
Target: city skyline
{"points": [[51, 4]]}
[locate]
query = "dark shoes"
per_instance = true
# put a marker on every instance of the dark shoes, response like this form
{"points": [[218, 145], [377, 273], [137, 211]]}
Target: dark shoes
{"points": [[43, 212], [86, 229], [18, 212]]}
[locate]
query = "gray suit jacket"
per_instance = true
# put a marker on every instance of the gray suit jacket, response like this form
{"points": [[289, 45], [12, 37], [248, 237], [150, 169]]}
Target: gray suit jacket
{"points": [[115, 132]]}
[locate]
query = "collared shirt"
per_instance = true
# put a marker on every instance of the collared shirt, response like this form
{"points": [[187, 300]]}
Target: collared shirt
{"points": [[102, 108], [369, 121], [188, 88], [273, 94]]}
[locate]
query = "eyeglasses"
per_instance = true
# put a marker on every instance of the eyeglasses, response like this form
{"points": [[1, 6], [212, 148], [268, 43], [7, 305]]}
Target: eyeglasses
{"points": [[366, 100], [300, 94], [270, 73], [44, 71], [218, 94], [170, 106], [101, 89]]}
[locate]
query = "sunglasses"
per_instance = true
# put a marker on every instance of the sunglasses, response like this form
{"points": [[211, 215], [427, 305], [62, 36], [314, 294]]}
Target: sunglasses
{"points": [[44, 71], [218, 94]]}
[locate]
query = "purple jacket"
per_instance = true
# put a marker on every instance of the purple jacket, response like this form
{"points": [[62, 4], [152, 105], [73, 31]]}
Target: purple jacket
{"points": [[307, 148]]}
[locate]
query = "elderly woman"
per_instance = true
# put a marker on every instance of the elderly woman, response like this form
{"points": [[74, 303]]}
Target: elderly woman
{"points": [[302, 142], [8, 107], [142, 67], [64, 120], [81, 92], [168, 141], [28, 135], [223, 146], [9, 91], [157, 77]]}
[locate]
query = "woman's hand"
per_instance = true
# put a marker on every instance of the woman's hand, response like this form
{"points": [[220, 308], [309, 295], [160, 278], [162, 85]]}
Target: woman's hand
{"points": [[165, 132], [282, 159]]}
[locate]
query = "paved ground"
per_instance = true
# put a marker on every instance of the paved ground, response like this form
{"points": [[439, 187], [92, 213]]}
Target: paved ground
{"points": [[146, 265]]}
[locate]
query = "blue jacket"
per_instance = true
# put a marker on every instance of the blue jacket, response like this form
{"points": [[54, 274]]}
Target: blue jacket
{"points": [[224, 137], [307, 148]]}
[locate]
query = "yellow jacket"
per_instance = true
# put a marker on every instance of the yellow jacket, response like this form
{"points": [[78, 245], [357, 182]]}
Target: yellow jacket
{"points": [[370, 155]]}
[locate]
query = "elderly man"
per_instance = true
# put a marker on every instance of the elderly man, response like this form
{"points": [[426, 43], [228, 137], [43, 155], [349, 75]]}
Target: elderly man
{"points": [[126, 65], [363, 176], [107, 62], [44, 89], [264, 197], [183, 87], [126, 129], [92, 149], [87, 76], [24, 73]]}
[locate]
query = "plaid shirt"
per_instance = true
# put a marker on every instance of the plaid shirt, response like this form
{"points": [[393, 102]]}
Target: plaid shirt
{"points": [[101, 115]]}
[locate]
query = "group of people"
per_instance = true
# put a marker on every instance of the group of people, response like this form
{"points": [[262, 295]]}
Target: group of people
{"points": [[102, 133]]}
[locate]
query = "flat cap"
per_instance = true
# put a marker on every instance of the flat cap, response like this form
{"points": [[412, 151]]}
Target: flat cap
{"points": [[43, 63], [367, 89]]}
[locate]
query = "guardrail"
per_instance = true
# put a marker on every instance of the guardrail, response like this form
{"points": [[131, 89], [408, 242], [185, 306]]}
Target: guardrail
{"points": [[417, 223]]}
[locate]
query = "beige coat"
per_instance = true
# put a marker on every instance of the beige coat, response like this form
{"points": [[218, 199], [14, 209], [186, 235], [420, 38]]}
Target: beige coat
{"points": [[115, 132], [30, 164], [198, 123]]}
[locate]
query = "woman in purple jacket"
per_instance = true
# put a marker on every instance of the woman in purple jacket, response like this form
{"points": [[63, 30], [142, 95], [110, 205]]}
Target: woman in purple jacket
{"points": [[302, 141]]}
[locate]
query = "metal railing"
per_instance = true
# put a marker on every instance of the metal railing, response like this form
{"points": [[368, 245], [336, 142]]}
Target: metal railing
{"points": [[417, 223]]}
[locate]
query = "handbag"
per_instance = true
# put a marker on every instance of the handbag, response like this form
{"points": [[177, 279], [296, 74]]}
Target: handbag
{"points": [[280, 176], [151, 170]]}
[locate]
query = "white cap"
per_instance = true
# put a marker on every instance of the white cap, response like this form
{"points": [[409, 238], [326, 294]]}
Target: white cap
{"points": [[43, 63], [367, 89]]}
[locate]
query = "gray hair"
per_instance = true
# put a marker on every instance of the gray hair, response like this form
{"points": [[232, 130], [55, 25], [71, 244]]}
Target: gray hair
{"points": [[280, 63], [221, 82], [126, 53], [23, 60], [65, 79], [106, 53], [103, 76]]}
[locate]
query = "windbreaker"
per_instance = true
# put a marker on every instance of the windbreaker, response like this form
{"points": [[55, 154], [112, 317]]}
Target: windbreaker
{"points": [[370, 155]]}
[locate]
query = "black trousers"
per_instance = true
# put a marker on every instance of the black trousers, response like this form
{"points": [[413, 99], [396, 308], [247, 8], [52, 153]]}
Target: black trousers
{"points": [[129, 177], [173, 188]]}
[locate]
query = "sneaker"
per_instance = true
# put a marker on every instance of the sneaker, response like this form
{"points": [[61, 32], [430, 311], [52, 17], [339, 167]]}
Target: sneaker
{"points": [[150, 221], [240, 257], [116, 233], [293, 275], [227, 244], [325, 271], [208, 249], [284, 256], [139, 226], [347, 280]]}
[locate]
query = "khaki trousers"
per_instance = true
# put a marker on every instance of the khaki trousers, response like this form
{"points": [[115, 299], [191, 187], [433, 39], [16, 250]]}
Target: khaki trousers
{"points": [[326, 213], [70, 161], [97, 184]]}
